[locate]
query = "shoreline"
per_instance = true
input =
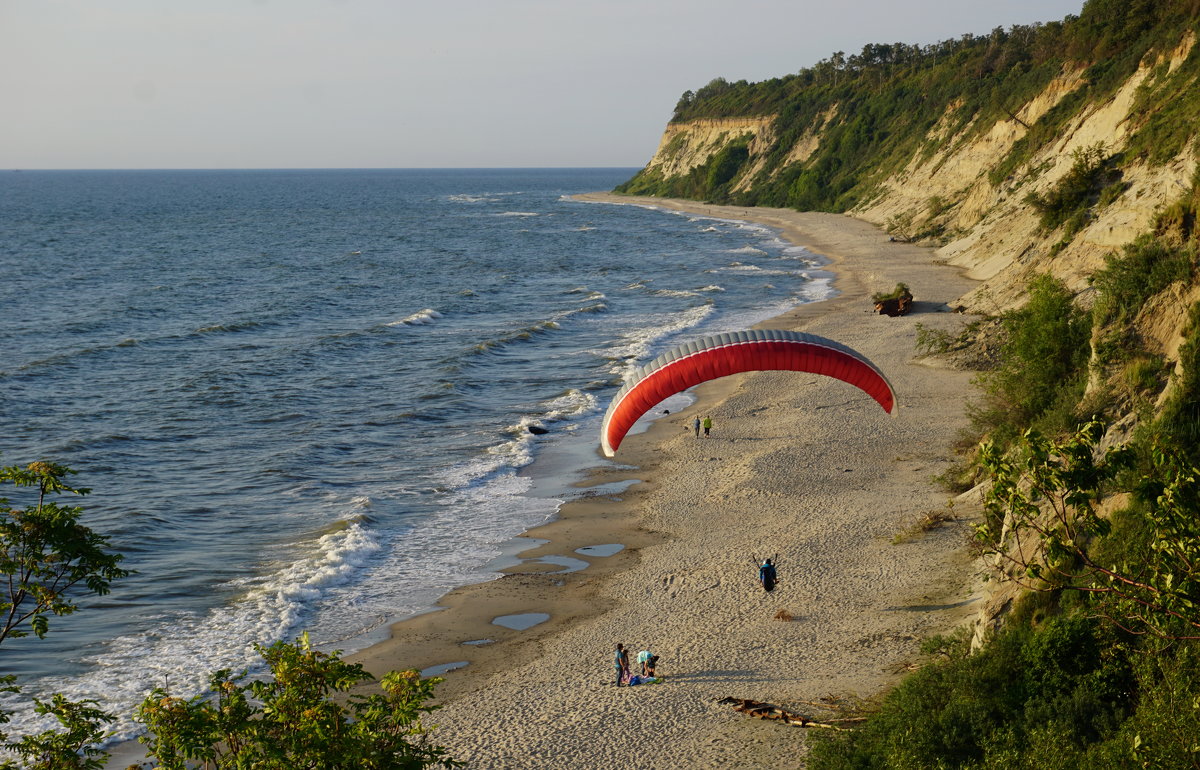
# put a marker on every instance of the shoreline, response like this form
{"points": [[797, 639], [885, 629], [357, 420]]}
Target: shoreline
{"points": [[811, 472]]}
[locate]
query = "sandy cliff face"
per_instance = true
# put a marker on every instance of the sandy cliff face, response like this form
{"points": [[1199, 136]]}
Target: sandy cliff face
{"points": [[685, 146], [994, 234]]}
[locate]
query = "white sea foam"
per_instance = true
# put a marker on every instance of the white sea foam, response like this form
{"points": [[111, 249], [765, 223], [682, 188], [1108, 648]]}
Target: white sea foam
{"points": [[639, 347], [483, 507], [182, 649], [480, 506], [426, 316], [745, 269], [518, 214]]}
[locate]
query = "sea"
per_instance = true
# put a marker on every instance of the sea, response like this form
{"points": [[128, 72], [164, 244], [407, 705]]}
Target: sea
{"points": [[302, 400]]}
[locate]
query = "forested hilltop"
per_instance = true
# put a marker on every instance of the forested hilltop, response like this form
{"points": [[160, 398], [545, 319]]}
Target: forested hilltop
{"points": [[1057, 164]]}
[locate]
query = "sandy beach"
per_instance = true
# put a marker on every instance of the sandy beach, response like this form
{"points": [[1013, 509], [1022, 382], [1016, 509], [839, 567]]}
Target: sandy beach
{"points": [[798, 465]]}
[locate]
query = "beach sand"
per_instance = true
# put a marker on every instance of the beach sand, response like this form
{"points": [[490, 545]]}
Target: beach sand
{"points": [[797, 465]]}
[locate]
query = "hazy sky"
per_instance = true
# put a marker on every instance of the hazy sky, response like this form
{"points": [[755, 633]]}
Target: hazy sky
{"points": [[402, 83]]}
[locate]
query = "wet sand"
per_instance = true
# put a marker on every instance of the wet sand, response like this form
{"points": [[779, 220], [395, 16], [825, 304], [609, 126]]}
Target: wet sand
{"points": [[797, 465]]}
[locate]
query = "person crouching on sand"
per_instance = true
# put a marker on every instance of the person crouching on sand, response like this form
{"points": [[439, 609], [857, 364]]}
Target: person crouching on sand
{"points": [[621, 662], [643, 659]]}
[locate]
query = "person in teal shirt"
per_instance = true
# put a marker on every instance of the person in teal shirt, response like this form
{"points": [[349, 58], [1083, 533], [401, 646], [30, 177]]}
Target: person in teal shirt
{"points": [[621, 663]]}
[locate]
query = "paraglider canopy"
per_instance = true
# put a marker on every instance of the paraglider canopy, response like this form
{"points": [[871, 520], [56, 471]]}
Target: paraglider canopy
{"points": [[724, 354]]}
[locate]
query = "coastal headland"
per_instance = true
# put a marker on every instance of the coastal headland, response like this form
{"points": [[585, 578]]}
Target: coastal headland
{"points": [[799, 466]]}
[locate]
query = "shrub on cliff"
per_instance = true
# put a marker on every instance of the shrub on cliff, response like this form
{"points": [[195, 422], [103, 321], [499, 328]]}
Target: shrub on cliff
{"points": [[1079, 189], [1042, 369], [1036, 696], [1098, 668]]}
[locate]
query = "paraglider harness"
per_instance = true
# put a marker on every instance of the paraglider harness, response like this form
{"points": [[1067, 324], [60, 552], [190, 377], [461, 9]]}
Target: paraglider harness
{"points": [[766, 573]]}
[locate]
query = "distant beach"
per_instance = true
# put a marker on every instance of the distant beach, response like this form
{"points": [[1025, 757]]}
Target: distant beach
{"points": [[798, 466]]}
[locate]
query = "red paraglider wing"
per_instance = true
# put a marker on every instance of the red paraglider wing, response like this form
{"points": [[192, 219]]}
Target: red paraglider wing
{"points": [[733, 353]]}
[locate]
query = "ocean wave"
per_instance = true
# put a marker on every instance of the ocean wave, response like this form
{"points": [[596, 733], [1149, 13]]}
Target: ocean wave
{"points": [[68, 357], [567, 406], [745, 269], [672, 293], [747, 250], [420, 318], [588, 293], [228, 327], [570, 404], [519, 335], [518, 214], [756, 228], [711, 287], [182, 649], [483, 503], [638, 346], [598, 307]]}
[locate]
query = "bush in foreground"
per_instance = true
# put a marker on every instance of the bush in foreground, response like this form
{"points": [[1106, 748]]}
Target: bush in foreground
{"points": [[295, 719]]}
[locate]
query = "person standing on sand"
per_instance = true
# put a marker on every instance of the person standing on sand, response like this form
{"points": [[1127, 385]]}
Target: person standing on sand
{"points": [[707, 425], [696, 425], [621, 662], [767, 577]]}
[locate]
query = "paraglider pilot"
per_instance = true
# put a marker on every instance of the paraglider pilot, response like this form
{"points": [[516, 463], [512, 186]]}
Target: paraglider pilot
{"points": [[766, 576]]}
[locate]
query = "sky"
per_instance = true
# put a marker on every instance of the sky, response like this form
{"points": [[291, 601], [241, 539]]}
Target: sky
{"points": [[106, 84]]}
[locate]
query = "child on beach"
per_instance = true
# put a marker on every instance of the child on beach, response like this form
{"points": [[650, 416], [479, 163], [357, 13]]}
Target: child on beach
{"points": [[621, 662]]}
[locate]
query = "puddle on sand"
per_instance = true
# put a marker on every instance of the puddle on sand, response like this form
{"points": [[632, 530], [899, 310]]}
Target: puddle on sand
{"points": [[480, 642], [566, 562], [444, 668], [607, 549], [522, 621]]}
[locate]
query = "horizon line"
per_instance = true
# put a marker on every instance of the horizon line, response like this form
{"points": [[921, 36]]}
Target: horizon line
{"points": [[15, 170]]}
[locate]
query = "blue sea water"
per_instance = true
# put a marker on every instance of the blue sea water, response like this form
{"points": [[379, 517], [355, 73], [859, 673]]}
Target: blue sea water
{"points": [[302, 398]]}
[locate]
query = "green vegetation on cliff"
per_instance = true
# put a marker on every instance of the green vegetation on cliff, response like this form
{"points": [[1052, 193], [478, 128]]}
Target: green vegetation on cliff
{"points": [[877, 110], [1097, 664]]}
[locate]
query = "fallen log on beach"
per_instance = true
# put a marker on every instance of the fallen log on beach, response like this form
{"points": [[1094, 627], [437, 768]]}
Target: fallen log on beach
{"points": [[770, 711]]}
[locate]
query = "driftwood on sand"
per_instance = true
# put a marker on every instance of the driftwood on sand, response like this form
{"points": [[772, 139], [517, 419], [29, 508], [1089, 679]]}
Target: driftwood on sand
{"points": [[762, 710]]}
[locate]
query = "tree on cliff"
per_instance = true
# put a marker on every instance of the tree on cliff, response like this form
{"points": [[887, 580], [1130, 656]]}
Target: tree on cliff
{"points": [[1045, 528]]}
